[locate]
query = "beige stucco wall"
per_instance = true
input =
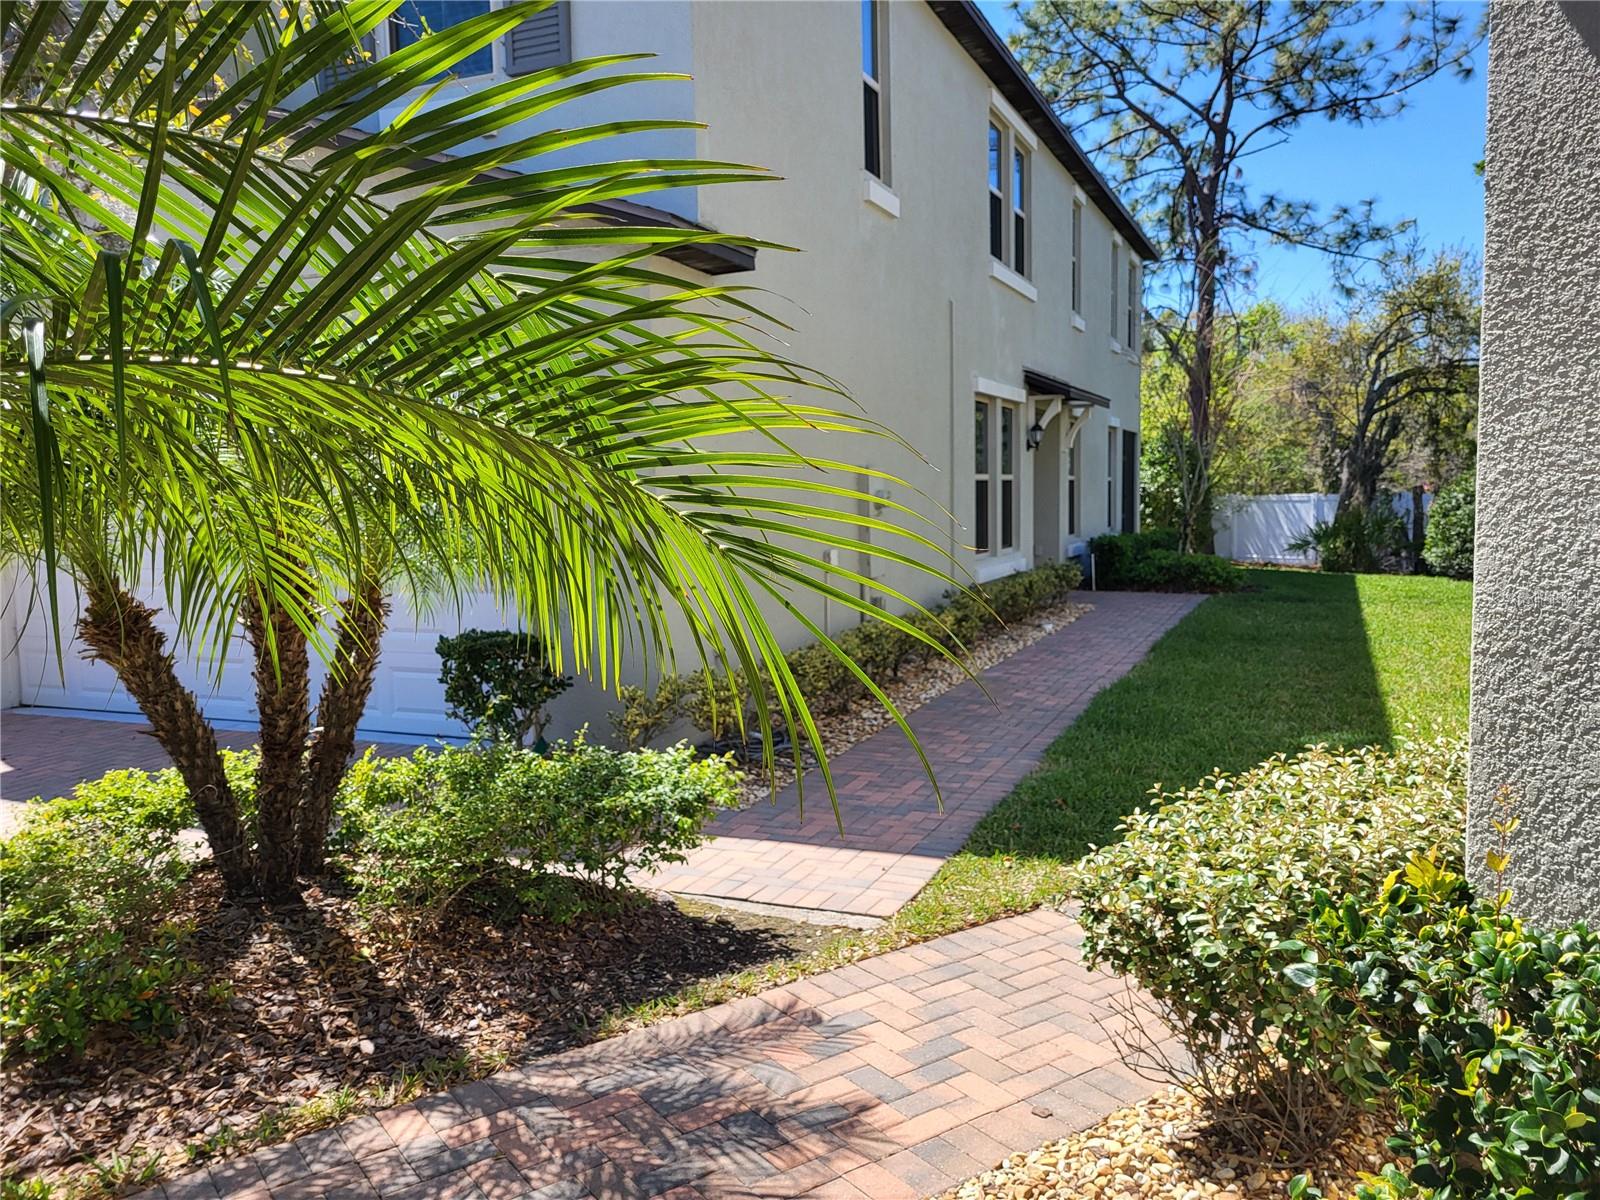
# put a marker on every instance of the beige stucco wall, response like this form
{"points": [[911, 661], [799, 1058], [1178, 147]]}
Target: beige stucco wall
{"points": [[1536, 604], [903, 310]]}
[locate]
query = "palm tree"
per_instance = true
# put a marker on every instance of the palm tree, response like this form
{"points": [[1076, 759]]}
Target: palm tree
{"points": [[284, 367]]}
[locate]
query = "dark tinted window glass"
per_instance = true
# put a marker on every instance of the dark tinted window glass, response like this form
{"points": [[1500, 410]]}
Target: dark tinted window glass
{"points": [[414, 18]]}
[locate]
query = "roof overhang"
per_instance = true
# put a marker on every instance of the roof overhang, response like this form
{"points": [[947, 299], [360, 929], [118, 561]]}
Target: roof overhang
{"points": [[1040, 384], [977, 37]]}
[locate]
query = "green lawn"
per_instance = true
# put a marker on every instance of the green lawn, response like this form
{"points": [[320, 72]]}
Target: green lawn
{"points": [[1296, 659], [1300, 658]]}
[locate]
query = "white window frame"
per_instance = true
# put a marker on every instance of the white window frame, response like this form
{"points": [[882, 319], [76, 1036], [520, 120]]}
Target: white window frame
{"points": [[1113, 458], [383, 41], [997, 403], [1074, 501], [1017, 144], [1116, 308], [879, 83], [1133, 304], [1077, 258]]}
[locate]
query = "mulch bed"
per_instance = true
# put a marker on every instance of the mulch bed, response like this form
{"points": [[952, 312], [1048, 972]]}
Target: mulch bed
{"points": [[1164, 1149], [289, 1007]]}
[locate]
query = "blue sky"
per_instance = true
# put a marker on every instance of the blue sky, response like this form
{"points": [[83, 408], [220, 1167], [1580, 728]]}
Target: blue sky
{"points": [[1418, 165]]}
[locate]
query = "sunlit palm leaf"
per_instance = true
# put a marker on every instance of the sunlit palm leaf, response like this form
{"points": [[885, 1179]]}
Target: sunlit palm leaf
{"points": [[277, 350]]}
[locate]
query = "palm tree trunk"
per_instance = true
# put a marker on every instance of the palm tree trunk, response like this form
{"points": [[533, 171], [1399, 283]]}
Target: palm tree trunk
{"points": [[121, 632], [339, 709], [283, 699]]}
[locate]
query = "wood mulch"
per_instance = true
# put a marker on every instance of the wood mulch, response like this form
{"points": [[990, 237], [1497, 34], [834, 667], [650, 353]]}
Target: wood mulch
{"points": [[1163, 1149], [298, 1018]]}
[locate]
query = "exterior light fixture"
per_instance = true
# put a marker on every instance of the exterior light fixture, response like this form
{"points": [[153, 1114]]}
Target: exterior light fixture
{"points": [[1035, 435]]}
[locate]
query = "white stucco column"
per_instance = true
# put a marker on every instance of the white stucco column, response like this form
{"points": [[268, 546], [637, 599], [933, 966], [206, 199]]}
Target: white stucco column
{"points": [[1536, 605]]}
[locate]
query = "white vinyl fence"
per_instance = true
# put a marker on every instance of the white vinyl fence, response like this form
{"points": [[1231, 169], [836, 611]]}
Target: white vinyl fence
{"points": [[1260, 528]]}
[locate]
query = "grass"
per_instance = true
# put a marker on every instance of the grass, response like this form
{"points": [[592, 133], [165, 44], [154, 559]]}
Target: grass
{"points": [[1296, 659]]}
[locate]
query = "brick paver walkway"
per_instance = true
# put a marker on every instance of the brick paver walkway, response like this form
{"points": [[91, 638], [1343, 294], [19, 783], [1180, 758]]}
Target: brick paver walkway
{"points": [[891, 1078], [895, 837]]}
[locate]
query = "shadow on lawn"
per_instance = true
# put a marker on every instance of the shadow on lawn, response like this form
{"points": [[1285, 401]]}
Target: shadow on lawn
{"points": [[1282, 665]]}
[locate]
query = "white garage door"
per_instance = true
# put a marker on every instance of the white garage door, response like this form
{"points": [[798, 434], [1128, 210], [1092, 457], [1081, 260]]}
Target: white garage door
{"points": [[407, 697]]}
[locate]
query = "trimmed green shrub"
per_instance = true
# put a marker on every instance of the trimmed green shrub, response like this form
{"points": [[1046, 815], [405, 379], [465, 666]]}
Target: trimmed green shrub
{"points": [[1484, 1032], [509, 826], [1358, 541], [1150, 562], [646, 714], [1447, 545], [498, 682], [1196, 898], [84, 886]]}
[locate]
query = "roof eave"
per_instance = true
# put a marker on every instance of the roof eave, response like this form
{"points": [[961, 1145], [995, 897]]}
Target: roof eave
{"points": [[977, 37]]}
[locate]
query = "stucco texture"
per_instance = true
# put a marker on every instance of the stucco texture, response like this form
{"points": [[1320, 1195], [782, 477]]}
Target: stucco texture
{"points": [[1536, 610]]}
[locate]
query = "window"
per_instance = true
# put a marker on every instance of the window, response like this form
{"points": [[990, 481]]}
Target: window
{"points": [[1019, 211], [997, 449], [1072, 488], [1112, 450], [872, 86], [414, 18], [997, 202], [1077, 256], [1008, 195], [1116, 313], [1008, 476], [980, 467], [1133, 304]]}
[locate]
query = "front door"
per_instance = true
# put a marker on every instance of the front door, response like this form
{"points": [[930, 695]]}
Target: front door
{"points": [[1130, 481]]}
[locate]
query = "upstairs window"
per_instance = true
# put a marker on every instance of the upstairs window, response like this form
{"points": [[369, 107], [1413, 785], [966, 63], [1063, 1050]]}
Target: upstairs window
{"points": [[1133, 303], [997, 200], [1019, 211], [1116, 310], [872, 87], [1077, 256], [1010, 179], [414, 19]]}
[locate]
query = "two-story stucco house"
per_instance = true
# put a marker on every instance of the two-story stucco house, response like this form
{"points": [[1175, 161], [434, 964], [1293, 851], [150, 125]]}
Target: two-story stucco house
{"points": [[964, 271]]}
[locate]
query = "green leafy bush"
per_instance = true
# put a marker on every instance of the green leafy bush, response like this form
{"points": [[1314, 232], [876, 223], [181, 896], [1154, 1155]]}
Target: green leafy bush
{"points": [[1199, 894], [1447, 545], [714, 704], [1484, 1032], [1150, 562], [1358, 541], [84, 887], [498, 682], [510, 825]]}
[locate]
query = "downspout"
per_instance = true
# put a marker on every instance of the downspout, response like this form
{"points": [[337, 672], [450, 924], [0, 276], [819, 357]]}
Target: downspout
{"points": [[950, 490]]}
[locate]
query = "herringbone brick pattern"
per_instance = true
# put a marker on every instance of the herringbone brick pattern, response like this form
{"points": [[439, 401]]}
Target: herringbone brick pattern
{"points": [[895, 836], [890, 1078]]}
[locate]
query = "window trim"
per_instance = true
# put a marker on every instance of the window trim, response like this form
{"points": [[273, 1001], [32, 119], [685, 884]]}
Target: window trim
{"points": [[874, 14], [1076, 250], [995, 170], [1021, 182], [1133, 304], [1007, 149], [995, 402]]}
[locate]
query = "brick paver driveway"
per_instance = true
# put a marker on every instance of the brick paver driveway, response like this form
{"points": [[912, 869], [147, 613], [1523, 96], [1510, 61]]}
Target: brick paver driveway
{"points": [[895, 837], [891, 1078]]}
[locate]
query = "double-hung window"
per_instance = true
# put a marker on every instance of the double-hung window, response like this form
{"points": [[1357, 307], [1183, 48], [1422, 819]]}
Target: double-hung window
{"points": [[1072, 488], [1116, 267], [997, 199], [1132, 340], [1010, 179], [996, 453], [1077, 256], [872, 77], [1111, 478], [542, 41], [1019, 210]]}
